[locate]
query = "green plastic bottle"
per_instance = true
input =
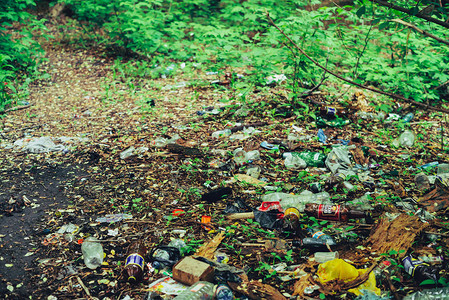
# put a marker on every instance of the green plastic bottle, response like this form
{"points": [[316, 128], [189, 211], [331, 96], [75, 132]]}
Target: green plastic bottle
{"points": [[313, 159]]}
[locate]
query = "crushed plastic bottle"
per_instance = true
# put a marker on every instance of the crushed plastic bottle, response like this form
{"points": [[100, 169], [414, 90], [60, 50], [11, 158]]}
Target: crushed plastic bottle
{"points": [[293, 162], [240, 157], [202, 290], [92, 253], [407, 138], [161, 142], [430, 294], [312, 159]]}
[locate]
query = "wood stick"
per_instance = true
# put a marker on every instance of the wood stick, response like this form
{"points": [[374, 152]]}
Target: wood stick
{"points": [[239, 216], [83, 286]]}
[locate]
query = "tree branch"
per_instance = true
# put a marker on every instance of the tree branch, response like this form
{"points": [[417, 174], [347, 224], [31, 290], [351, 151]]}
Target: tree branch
{"points": [[420, 30], [352, 82], [409, 12]]}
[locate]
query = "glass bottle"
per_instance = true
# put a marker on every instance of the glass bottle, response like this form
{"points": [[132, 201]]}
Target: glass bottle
{"points": [[135, 262], [333, 212]]}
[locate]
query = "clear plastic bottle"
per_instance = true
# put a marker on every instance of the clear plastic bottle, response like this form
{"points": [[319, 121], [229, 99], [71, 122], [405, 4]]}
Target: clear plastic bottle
{"points": [[240, 157], [202, 290], [221, 133], [92, 253], [293, 162], [297, 201], [322, 257], [223, 292], [430, 294], [407, 138]]}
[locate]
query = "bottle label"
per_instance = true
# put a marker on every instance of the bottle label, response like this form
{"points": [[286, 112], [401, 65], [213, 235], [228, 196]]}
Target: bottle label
{"points": [[135, 259], [316, 156], [411, 263], [198, 287], [330, 111], [329, 212], [291, 211], [341, 176], [317, 234]]}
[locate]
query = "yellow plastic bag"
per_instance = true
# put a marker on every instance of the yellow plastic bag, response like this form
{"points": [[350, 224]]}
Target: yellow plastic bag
{"points": [[339, 269]]}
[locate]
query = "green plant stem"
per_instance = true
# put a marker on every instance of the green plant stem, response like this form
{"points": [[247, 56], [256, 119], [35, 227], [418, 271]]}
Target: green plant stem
{"points": [[392, 95], [409, 12]]}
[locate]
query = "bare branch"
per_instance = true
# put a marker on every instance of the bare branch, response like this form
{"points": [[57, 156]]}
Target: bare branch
{"points": [[352, 82], [409, 12], [420, 30]]}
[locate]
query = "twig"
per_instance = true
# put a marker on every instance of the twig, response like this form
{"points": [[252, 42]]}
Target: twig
{"points": [[441, 85], [352, 82], [409, 12], [83, 286], [420, 30], [15, 108]]}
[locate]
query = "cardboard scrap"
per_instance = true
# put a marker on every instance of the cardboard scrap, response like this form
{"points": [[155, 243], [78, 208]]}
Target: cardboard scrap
{"points": [[359, 157], [398, 234], [436, 199], [190, 270], [208, 249], [248, 179]]}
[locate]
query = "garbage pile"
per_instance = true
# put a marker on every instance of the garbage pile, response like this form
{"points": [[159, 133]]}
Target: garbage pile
{"points": [[261, 210]]}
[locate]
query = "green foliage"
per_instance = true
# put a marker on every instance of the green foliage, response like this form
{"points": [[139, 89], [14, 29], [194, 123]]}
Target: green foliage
{"points": [[18, 51]]}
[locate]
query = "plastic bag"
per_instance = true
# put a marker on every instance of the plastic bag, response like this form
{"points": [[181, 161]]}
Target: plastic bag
{"points": [[338, 158], [340, 269]]}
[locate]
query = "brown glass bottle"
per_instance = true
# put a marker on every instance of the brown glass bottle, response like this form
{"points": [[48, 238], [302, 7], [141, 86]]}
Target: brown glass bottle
{"points": [[291, 222], [333, 212], [135, 262]]}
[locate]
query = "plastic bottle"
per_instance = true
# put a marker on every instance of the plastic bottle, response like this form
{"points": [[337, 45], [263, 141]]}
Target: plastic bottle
{"points": [[135, 262], [167, 256], [313, 245], [221, 133], [319, 235], [430, 294], [297, 201], [240, 157], [322, 257], [92, 253], [161, 142], [293, 162], [313, 159], [420, 271], [223, 292], [407, 138], [202, 290], [253, 171], [333, 212], [407, 118]]}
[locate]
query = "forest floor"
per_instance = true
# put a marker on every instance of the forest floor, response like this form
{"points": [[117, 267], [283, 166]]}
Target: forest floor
{"points": [[102, 111]]}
